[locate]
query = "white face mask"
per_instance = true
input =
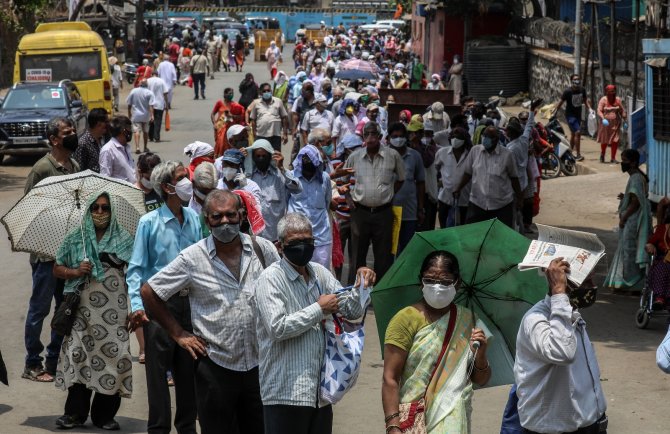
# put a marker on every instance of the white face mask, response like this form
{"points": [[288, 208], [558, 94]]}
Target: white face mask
{"points": [[457, 143], [184, 189], [439, 296], [146, 183], [397, 142], [229, 173], [426, 140]]}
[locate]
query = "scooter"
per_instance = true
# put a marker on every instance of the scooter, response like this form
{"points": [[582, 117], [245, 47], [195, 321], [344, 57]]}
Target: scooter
{"points": [[556, 136], [130, 70]]}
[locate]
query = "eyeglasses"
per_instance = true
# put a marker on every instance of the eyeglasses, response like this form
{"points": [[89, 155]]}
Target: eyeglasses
{"points": [[95, 207], [445, 282]]}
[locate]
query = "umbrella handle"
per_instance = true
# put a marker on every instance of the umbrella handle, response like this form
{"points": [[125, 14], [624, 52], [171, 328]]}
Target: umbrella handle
{"points": [[83, 240]]}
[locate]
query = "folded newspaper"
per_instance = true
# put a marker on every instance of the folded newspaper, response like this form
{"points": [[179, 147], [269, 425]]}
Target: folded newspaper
{"points": [[582, 250]]}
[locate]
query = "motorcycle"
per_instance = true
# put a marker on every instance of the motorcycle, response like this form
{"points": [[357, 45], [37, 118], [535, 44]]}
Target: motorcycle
{"points": [[130, 70], [556, 136]]}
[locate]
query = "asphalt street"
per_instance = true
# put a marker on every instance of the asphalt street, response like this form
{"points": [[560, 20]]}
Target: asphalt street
{"points": [[634, 387]]}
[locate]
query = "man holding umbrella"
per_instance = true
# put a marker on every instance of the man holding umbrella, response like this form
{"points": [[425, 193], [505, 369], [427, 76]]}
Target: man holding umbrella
{"points": [[63, 140]]}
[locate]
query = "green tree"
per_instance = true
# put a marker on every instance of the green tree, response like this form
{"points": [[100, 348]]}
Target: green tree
{"points": [[17, 17]]}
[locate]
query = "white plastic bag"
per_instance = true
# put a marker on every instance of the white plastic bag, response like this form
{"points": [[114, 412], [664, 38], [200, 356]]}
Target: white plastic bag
{"points": [[592, 123]]}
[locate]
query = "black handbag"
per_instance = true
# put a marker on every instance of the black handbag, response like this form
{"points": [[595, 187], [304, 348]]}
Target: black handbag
{"points": [[64, 317]]}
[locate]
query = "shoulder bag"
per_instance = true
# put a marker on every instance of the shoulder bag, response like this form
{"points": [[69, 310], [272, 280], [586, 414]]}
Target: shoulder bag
{"points": [[413, 414], [64, 317]]}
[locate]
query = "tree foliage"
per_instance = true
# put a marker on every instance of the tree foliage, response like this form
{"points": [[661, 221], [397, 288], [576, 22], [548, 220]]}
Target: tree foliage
{"points": [[18, 17]]}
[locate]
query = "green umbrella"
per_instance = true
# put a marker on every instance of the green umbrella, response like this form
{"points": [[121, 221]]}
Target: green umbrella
{"points": [[492, 286]]}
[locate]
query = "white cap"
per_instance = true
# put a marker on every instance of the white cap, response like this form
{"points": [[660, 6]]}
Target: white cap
{"points": [[234, 130]]}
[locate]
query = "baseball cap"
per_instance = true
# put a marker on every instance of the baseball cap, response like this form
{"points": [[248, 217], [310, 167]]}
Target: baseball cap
{"points": [[234, 130], [234, 156]]}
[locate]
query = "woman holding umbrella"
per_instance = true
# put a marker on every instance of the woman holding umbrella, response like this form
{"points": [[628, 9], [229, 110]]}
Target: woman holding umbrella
{"points": [[433, 354], [95, 357]]}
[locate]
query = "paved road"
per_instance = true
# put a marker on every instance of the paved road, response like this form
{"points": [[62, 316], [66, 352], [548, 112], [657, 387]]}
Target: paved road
{"points": [[635, 389]]}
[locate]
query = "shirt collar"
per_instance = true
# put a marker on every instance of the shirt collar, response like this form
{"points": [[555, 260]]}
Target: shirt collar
{"points": [[247, 245], [166, 214], [291, 273], [117, 143]]}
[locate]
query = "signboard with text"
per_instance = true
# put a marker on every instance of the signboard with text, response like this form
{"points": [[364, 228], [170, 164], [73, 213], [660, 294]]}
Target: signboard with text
{"points": [[38, 75]]}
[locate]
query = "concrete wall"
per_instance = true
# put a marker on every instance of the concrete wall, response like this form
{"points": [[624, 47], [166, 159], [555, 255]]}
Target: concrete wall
{"points": [[549, 75]]}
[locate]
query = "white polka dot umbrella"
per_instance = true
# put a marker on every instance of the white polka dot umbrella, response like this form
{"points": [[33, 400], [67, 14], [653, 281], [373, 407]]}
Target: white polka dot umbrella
{"points": [[39, 222]]}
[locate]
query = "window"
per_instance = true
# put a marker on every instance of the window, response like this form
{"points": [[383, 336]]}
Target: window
{"points": [[76, 67], [35, 98], [661, 103]]}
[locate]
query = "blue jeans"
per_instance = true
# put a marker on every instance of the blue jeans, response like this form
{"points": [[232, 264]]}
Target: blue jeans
{"points": [[45, 288]]}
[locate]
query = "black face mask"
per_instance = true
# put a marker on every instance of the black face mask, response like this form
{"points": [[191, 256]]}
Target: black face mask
{"points": [[300, 253], [71, 142], [625, 167], [308, 169], [262, 163]]}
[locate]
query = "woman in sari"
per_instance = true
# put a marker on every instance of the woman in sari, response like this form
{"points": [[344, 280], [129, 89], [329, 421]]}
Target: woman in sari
{"points": [[281, 87], [631, 259], [225, 113], [239, 53], [95, 357], [413, 342]]}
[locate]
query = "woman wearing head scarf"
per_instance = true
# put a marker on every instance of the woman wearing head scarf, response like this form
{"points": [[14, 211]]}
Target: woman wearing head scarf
{"points": [[198, 152], [281, 87], [435, 83], [273, 57], [456, 79], [613, 115], [314, 200], [95, 357], [405, 117]]}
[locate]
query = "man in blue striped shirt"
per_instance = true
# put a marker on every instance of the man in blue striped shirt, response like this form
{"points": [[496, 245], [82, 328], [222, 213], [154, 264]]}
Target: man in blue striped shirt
{"points": [[292, 297]]}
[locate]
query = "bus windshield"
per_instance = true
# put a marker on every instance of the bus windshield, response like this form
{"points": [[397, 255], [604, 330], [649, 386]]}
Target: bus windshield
{"points": [[56, 67]]}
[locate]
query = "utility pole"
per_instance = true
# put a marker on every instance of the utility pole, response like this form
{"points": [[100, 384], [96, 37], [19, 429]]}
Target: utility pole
{"points": [[612, 42], [578, 38], [637, 53], [139, 26]]}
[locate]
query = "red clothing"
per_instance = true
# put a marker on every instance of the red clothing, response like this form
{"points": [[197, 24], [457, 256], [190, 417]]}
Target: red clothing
{"points": [[233, 110], [660, 238], [143, 72], [173, 51]]}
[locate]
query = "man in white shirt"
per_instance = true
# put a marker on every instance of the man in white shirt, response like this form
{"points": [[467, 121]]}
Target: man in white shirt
{"points": [[160, 89], [117, 80], [168, 73], [140, 110], [318, 117], [556, 370], [115, 159], [495, 186]]}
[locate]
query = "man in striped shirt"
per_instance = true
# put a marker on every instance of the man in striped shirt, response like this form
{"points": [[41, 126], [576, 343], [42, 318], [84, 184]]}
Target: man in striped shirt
{"points": [[292, 298]]}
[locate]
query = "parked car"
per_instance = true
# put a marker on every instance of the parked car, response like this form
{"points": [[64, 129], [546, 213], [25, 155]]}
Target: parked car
{"points": [[27, 109]]}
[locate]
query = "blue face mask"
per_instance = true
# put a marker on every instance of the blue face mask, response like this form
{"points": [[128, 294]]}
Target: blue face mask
{"points": [[488, 143], [267, 95], [328, 150]]}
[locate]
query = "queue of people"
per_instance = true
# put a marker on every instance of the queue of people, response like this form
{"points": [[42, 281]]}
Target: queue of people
{"points": [[229, 276]]}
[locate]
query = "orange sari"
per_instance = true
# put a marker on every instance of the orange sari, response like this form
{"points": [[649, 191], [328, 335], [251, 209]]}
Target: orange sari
{"points": [[228, 114]]}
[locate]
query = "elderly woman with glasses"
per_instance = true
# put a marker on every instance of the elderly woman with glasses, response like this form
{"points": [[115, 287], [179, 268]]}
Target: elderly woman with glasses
{"points": [[95, 357], [415, 366]]}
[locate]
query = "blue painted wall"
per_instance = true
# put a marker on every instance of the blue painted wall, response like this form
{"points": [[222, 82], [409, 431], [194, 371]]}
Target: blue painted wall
{"points": [[290, 22], [658, 151]]}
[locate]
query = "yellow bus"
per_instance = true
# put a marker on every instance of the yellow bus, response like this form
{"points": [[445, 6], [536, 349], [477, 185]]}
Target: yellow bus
{"points": [[67, 50]]}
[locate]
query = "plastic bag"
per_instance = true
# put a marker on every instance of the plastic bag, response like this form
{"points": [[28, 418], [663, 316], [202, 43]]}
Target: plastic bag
{"points": [[592, 123], [167, 121]]}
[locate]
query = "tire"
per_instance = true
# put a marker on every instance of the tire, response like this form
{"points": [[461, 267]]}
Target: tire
{"points": [[551, 166], [130, 79], [569, 166], [642, 318]]}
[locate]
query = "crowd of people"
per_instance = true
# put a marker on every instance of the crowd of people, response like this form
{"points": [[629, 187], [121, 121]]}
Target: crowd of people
{"points": [[241, 256]]}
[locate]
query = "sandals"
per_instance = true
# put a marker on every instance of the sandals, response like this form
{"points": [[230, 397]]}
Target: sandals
{"points": [[37, 374]]}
